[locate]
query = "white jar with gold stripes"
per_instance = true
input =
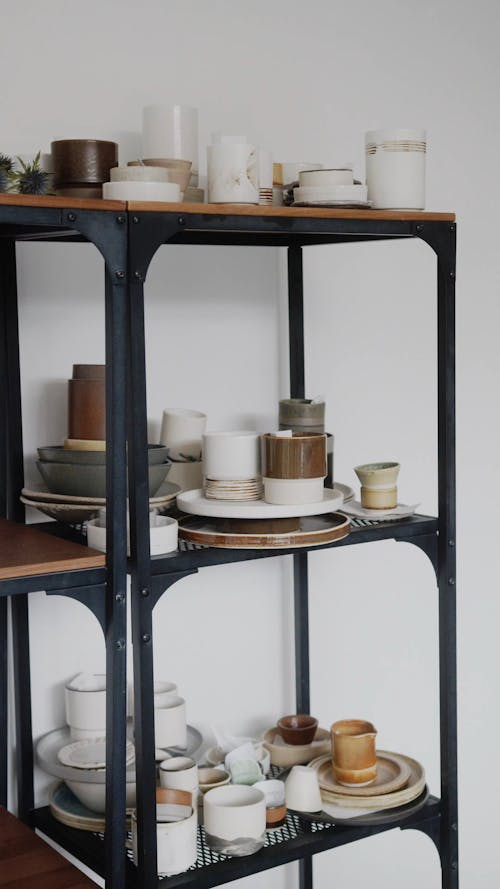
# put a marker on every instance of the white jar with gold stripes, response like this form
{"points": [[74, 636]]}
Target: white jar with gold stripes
{"points": [[395, 168]]}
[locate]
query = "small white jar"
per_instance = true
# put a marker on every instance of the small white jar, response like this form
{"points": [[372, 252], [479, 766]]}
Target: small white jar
{"points": [[395, 169]]}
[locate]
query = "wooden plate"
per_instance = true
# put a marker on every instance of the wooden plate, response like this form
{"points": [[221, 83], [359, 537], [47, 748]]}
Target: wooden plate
{"points": [[313, 531], [392, 774], [413, 789]]}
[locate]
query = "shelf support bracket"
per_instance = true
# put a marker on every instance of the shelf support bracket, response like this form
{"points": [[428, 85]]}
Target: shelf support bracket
{"points": [[428, 543], [93, 597]]}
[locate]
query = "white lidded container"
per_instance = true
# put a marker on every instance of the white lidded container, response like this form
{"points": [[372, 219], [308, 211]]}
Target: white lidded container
{"points": [[395, 168]]}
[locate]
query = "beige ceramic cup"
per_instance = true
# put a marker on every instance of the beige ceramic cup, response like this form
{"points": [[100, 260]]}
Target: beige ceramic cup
{"points": [[354, 758], [378, 485]]}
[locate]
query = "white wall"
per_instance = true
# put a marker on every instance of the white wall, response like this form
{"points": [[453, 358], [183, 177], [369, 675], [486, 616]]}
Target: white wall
{"points": [[306, 80]]}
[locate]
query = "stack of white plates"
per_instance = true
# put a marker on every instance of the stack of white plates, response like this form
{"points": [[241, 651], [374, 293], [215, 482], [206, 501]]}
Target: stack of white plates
{"points": [[248, 489]]}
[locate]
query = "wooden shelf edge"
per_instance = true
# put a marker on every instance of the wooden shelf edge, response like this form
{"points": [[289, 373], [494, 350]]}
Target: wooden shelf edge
{"points": [[51, 202], [25, 551]]}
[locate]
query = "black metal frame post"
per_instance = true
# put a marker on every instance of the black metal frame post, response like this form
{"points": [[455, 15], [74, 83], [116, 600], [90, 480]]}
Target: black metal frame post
{"points": [[445, 247], [300, 560]]}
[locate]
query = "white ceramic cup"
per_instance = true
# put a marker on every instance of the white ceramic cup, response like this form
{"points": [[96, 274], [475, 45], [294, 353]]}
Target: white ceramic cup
{"points": [[302, 791], [85, 700], [235, 819], [232, 173], [273, 790], [164, 692], [395, 168], [233, 456], [176, 844], [180, 773], [181, 432], [170, 724]]}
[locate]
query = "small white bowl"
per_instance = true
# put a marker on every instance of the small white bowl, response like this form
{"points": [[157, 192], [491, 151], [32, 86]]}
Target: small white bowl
{"points": [[94, 795], [291, 170], [163, 535], [355, 193], [141, 191], [339, 176], [85, 700]]}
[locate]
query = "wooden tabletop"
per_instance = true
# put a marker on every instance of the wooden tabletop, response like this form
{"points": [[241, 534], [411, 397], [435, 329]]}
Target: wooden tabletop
{"points": [[27, 862], [222, 209], [24, 551]]}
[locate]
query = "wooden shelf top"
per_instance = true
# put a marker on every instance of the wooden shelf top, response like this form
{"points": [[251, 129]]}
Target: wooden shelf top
{"points": [[293, 212], [49, 201], [54, 202], [24, 551], [27, 862]]}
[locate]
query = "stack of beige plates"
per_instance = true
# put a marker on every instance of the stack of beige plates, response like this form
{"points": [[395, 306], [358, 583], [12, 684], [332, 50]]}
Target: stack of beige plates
{"points": [[399, 781], [248, 489]]}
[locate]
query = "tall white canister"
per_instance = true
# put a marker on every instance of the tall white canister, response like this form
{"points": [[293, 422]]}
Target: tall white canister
{"points": [[395, 168], [171, 131]]}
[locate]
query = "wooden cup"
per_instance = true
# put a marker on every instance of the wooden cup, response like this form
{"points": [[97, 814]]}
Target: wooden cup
{"points": [[86, 409], [294, 457]]}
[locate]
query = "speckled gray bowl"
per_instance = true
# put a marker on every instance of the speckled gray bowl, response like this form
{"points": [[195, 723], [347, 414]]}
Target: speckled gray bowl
{"points": [[58, 454], [80, 480]]}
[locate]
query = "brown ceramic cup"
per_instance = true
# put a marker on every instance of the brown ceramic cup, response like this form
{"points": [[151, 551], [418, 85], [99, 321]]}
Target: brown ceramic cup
{"points": [[294, 457], [80, 162], [172, 795], [86, 409], [298, 728], [354, 757]]}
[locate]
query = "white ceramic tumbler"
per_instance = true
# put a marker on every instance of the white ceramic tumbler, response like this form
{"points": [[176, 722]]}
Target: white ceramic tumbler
{"points": [[181, 432], [395, 168], [176, 844], [231, 456], [170, 724], [171, 131], [232, 173]]}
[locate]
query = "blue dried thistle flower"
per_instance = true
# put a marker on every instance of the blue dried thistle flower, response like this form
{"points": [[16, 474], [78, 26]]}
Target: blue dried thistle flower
{"points": [[30, 179], [4, 180], [6, 162]]}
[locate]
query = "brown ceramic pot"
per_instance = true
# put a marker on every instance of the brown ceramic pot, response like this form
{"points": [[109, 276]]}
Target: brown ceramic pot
{"points": [[89, 192], [83, 161], [89, 371], [298, 728], [86, 409], [298, 456]]}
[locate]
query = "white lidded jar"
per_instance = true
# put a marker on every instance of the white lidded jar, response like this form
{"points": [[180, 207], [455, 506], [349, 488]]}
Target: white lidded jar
{"points": [[395, 168]]}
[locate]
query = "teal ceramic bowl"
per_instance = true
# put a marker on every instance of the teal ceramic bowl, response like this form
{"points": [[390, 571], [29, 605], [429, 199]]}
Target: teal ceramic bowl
{"points": [[57, 454], [80, 480]]}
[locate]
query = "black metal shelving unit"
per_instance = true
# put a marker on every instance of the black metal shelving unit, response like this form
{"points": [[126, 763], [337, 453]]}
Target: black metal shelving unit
{"points": [[140, 232]]}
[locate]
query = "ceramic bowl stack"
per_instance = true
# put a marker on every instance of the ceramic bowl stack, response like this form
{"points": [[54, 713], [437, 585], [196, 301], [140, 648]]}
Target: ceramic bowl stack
{"points": [[81, 166], [142, 181], [232, 466], [329, 188]]}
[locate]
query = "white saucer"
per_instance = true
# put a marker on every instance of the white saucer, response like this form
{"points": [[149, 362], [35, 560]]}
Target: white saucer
{"points": [[195, 503], [401, 511], [90, 753]]}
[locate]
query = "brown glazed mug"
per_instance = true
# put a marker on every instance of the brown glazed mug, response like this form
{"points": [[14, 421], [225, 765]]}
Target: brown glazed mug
{"points": [[80, 162], [86, 409], [354, 757], [301, 455], [89, 371]]}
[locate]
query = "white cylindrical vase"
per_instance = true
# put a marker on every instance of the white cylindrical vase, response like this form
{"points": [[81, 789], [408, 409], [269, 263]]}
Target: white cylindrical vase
{"points": [[171, 131], [395, 169]]}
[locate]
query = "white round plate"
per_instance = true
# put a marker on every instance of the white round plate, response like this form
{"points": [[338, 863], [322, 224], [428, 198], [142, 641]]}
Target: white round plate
{"points": [[346, 491], [90, 754], [195, 503], [352, 205], [401, 511]]}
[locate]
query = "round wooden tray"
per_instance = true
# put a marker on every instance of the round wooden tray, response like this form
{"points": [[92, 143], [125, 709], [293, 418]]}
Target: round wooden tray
{"points": [[412, 790], [313, 531]]}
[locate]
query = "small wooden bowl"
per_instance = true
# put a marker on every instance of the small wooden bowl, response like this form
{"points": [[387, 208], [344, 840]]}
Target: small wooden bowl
{"points": [[297, 728]]}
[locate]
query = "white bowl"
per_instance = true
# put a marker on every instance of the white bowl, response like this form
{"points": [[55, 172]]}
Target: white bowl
{"points": [[141, 191], [326, 177], [291, 170], [94, 795], [163, 535]]}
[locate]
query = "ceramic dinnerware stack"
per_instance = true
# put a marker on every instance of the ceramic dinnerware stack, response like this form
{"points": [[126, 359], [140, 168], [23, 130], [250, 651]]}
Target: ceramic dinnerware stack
{"points": [[142, 181], [78, 469], [334, 187], [308, 415], [232, 466]]}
